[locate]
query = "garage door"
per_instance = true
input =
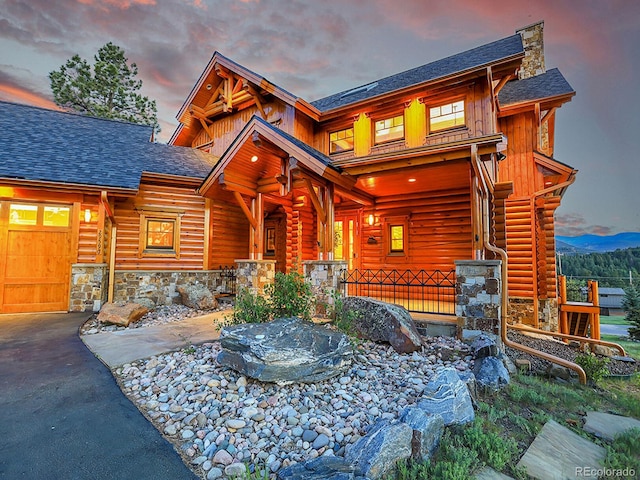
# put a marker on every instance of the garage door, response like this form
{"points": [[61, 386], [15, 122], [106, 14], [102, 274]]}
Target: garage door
{"points": [[35, 254]]}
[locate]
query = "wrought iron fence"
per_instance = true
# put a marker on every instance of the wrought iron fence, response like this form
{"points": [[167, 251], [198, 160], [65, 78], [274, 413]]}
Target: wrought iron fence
{"points": [[227, 280], [418, 291]]}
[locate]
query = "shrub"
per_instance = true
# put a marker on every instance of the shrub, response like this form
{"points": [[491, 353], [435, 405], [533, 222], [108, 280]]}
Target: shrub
{"points": [[342, 317], [631, 304], [290, 296], [594, 367]]}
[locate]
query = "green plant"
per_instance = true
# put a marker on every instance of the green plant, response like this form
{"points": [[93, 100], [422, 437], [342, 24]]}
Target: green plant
{"points": [[290, 296], [623, 455], [631, 304], [343, 318], [594, 367]]}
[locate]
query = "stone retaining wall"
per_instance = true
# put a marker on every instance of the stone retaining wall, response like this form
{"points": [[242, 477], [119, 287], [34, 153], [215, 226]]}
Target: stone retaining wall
{"points": [[160, 286]]}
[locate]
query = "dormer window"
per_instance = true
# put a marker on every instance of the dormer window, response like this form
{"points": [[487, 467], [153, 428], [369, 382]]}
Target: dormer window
{"points": [[449, 115], [341, 141], [389, 129]]}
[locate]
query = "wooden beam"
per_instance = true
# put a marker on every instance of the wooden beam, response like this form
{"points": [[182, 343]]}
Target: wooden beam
{"points": [[256, 96], [245, 209], [322, 215], [215, 95], [236, 187], [503, 81], [548, 115], [206, 126]]}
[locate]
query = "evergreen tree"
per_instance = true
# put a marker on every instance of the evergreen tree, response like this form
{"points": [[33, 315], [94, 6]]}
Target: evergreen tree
{"points": [[631, 304], [109, 90]]}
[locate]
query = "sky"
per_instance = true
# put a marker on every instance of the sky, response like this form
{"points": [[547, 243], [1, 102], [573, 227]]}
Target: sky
{"points": [[314, 48]]}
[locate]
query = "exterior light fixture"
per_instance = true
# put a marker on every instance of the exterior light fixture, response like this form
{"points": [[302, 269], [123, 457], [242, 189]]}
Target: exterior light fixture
{"points": [[411, 180], [87, 215], [254, 159], [371, 219]]}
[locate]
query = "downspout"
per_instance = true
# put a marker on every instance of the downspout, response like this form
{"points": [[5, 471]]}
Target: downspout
{"points": [[487, 188], [112, 244]]}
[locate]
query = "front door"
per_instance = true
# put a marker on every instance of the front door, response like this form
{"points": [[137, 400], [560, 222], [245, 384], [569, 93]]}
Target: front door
{"points": [[347, 240]]}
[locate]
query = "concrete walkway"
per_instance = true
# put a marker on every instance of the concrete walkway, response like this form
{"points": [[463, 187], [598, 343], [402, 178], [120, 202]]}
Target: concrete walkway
{"points": [[124, 346], [62, 415]]}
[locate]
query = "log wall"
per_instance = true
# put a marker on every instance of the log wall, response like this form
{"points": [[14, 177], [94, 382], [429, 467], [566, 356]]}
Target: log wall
{"points": [[159, 198]]}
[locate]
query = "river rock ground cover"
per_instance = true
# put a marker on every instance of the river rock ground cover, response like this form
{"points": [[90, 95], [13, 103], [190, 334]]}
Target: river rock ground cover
{"points": [[223, 423]]}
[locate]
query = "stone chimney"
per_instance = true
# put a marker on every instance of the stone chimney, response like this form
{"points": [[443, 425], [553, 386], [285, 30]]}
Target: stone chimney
{"points": [[532, 40]]}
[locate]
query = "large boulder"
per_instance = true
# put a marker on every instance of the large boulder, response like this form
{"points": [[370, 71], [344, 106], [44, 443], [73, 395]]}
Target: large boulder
{"points": [[377, 453], [384, 322], [121, 313], [491, 374], [427, 431], [284, 351], [448, 396], [197, 296], [321, 468]]}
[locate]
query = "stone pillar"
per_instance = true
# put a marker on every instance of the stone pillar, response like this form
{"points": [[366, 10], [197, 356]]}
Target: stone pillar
{"points": [[88, 287], [324, 277], [479, 294], [254, 275]]}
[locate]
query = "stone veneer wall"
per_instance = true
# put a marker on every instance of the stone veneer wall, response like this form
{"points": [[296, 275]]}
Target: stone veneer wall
{"points": [[479, 294], [521, 311], [532, 41], [160, 286], [88, 289], [254, 275], [324, 277]]}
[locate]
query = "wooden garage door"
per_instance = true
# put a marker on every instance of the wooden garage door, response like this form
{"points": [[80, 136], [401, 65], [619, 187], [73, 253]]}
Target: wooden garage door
{"points": [[35, 254]]}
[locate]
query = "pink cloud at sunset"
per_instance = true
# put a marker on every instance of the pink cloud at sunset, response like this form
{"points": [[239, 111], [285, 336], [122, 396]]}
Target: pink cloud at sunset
{"points": [[313, 49]]}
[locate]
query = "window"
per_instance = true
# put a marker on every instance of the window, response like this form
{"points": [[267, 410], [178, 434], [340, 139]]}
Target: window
{"points": [[389, 129], [446, 116], [159, 235], [396, 238], [341, 141], [38, 214]]}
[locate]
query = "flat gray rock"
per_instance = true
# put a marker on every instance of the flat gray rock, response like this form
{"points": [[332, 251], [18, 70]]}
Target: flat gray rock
{"points": [[607, 426], [427, 431], [284, 351], [559, 453]]}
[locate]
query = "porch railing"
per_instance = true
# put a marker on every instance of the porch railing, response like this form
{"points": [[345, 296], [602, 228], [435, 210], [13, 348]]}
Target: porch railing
{"points": [[227, 280], [419, 291]]}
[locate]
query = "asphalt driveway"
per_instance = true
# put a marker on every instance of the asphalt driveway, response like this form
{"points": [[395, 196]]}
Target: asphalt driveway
{"points": [[62, 415]]}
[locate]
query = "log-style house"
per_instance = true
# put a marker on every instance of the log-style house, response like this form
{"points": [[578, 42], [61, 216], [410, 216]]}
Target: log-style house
{"points": [[393, 181], [400, 177]]}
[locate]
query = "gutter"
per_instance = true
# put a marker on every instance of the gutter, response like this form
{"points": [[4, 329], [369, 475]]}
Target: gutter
{"points": [[487, 187]]}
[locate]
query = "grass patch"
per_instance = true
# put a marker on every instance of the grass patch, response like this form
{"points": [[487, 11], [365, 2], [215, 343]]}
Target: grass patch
{"points": [[632, 348], [613, 320]]}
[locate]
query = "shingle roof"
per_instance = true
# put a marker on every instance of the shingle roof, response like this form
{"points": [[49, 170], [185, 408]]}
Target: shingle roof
{"points": [[52, 146], [545, 85], [461, 62]]}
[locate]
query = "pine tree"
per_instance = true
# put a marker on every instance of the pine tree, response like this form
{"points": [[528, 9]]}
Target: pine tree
{"points": [[631, 305], [109, 90]]}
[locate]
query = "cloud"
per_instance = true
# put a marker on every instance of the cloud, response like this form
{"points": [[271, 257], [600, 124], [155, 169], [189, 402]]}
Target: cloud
{"points": [[574, 225], [13, 89]]}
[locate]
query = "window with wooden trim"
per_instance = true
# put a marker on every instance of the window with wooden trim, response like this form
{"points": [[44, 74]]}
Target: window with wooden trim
{"points": [[341, 141], [449, 115], [396, 231], [389, 129], [159, 235]]}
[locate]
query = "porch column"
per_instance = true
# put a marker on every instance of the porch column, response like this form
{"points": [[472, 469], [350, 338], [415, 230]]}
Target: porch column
{"points": [[479, 294], [254, 275], [324, 277], [257, 240], [330, 217]]}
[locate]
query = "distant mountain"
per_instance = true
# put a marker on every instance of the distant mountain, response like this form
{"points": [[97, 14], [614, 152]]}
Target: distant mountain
{"points": [[597, 243]]}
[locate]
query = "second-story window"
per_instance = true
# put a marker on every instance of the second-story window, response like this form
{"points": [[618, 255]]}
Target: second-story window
{"points": [[389, 129], [446, 116], [341, 141]]}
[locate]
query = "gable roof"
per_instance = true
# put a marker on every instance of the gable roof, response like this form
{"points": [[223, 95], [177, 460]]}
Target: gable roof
{"points": [[40, 145], [476, 58], [545, 85]]}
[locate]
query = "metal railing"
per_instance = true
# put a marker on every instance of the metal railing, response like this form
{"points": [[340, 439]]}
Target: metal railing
{"points": [[227, 280], [418, 291]]}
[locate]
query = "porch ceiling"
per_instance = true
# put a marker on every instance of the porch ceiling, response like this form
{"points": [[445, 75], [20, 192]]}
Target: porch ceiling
{"points": [[413, 180]]}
